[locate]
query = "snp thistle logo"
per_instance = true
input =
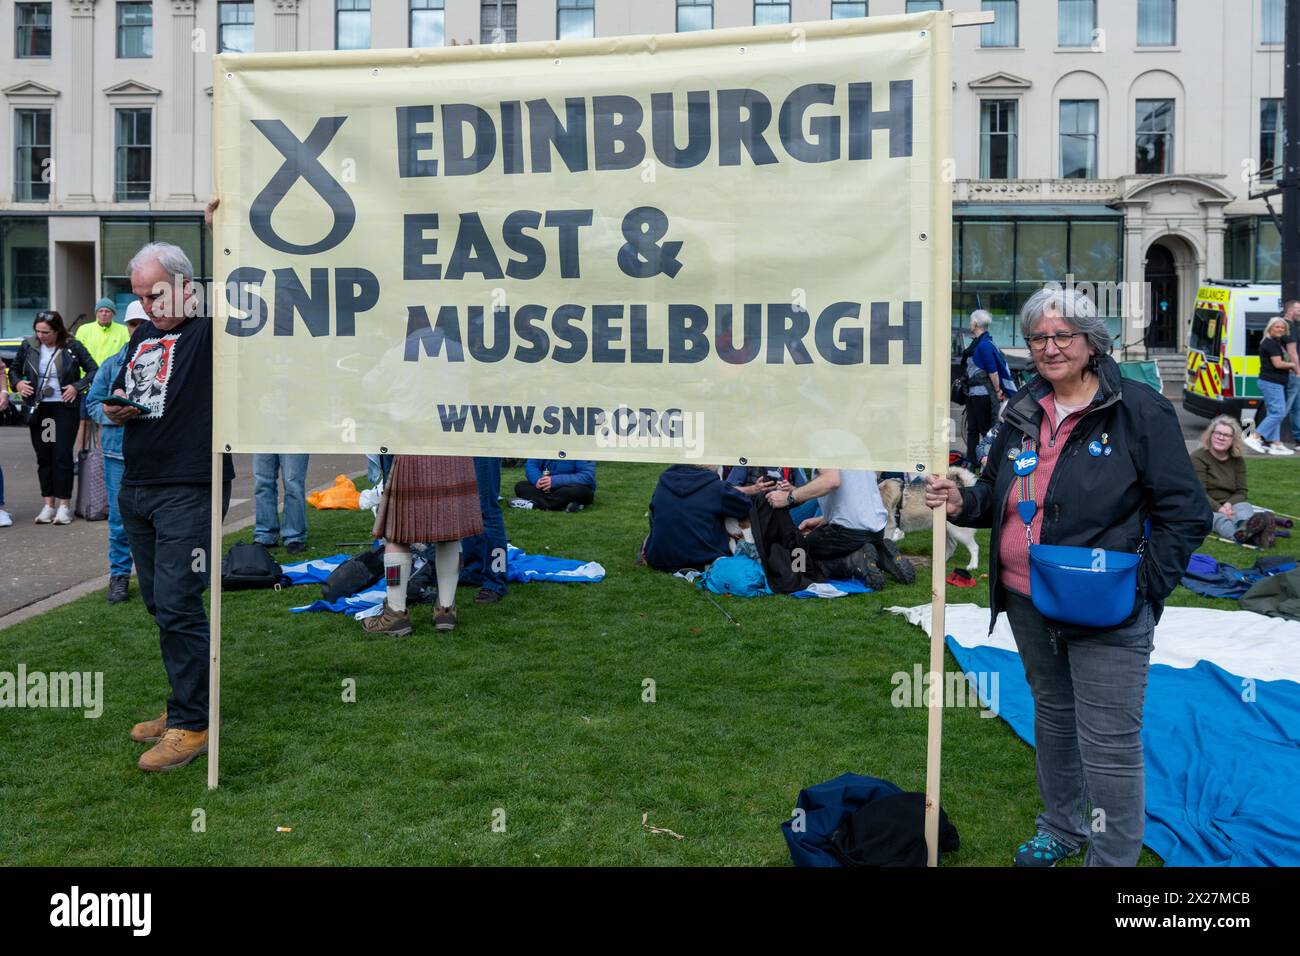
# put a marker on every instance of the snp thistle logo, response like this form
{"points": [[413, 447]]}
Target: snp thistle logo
{"points": [[302, 161]]}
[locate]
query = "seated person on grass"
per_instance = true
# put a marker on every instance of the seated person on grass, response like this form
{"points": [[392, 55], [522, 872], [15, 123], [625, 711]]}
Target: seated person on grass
{"points": [[1222, 471], [780, 479], [847, 540], [556, 485], [688, 514]]}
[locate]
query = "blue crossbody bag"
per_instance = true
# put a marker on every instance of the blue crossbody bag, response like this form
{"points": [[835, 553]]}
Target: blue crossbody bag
{"points": [[1089, 587]]}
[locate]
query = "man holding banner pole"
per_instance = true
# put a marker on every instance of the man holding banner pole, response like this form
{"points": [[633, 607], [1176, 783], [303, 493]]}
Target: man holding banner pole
{"points": [[164, 394]]}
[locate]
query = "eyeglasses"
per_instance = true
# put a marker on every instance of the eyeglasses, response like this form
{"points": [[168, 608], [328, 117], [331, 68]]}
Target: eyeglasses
{"points": [[1228, 435], [1038, 341]]}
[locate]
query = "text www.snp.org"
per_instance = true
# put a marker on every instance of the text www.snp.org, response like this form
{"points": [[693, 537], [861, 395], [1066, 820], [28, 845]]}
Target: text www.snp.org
{"points": [[620, 426]]}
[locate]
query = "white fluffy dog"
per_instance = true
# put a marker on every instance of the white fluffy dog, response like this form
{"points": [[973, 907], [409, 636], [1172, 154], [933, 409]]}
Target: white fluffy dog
{"points": [[905, 505]]}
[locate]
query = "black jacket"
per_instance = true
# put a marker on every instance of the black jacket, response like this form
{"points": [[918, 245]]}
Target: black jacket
{"points": [[1102, 502], [688, 511], [72, 360]]}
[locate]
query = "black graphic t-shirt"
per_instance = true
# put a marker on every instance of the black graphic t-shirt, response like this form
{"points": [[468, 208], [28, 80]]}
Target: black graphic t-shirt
{"points": [[171, 374]]}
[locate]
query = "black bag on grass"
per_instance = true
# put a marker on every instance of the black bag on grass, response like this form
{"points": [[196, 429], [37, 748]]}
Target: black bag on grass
{"points": [[353, 575], [249, 565], [890, 831]]}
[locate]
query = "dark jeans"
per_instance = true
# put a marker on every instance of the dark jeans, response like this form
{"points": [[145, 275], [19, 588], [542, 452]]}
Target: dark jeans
{"points": [[1088, 698], [485, 554], [169, 528], [979, 419], [557, 499], [54, 458]]}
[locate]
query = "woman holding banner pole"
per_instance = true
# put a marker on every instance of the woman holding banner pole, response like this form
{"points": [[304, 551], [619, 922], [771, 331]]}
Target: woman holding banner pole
{"points": [[428, 499], [1094, 510]]}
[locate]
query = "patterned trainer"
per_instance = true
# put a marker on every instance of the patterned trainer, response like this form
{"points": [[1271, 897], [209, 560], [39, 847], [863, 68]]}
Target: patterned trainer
{"points": [[1043, 850], [390, 622]]}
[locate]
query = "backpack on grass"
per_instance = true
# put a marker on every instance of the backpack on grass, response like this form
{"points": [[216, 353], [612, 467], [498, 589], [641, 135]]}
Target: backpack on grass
{"points": [[249, 565]]}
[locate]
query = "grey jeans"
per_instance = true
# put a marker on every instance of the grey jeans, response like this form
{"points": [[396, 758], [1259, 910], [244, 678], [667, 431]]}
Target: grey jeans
{"points": [[1088, 699], [1226, 527]]}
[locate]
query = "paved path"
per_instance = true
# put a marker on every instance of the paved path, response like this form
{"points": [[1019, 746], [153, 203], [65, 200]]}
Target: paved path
{"points": [[42, 566]]}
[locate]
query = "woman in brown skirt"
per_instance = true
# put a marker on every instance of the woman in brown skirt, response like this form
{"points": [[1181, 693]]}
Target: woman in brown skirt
{"points": [[428, 499]]}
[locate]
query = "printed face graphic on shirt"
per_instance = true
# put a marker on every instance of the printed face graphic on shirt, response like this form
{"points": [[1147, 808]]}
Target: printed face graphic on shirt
{"points": [[148, 373]]}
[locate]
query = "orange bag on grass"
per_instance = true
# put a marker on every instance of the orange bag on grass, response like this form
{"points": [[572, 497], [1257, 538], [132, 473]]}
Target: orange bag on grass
{"points": [[342, 496]]}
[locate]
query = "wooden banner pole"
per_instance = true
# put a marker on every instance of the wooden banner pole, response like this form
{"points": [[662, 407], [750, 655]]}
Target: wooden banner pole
{"points": [[934, 694], [214, 647]]}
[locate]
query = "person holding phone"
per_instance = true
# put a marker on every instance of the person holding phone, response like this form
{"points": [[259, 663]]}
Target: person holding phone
{"points": [[52, 371], [110, 440]]}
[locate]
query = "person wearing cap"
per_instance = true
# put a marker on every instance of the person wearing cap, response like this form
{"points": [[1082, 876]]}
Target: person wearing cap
{"points": [[102, 338], [110, 440]]}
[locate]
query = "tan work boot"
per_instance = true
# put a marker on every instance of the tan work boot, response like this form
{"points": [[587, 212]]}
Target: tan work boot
{"points": [[390, 622], [149, 730], [444, 618], [176, 748]]}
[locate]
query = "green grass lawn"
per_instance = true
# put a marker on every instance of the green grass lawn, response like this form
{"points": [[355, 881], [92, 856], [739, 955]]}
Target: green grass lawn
{"points": [[532, 707]]}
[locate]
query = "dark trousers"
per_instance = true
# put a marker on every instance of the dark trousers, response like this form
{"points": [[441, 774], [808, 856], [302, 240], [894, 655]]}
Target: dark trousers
{"points": [[828, 541], [169, 528], [979, 419], [485, 554], [54, 430], [557, 499]]}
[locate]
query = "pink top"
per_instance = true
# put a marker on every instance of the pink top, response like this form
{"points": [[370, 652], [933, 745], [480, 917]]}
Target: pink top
{"points": [[1013, 550]]}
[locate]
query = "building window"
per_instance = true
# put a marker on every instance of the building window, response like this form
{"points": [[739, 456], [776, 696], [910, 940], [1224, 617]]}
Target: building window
{"points": [[1272, 134], [1078, 139], [352, 25], [1157, 21], [999, 262], [120, 239], [1005, 29], [33, 148], [771, 11], [1273, 21], [234, 27], [31, 30], [134, 30], [1155, 137], [1075, 22], [498, 22], [24, 272], [998, 139], [1253, 250], [923, 6], [575, 19], [428, 23], [846, 11], [134, 155], [694, 15]]}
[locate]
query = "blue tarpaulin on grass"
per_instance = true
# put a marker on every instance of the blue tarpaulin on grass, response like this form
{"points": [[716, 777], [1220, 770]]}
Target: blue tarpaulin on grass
{"points": [[521, 568], [1221, 728]]}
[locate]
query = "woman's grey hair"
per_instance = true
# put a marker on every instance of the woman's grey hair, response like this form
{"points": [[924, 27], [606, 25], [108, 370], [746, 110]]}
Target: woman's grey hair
{"points": [[981, 318], [1225, 421], [1276, 320], [172, 258], [1076, 308]]}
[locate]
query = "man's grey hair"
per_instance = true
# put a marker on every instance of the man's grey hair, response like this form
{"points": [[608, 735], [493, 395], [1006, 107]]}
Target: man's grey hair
{"points": [[1075, 308], [172, 258], [981, 318]]}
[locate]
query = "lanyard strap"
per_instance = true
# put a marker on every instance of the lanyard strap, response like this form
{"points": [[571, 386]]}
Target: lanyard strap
{"points": [[1027, 506]]}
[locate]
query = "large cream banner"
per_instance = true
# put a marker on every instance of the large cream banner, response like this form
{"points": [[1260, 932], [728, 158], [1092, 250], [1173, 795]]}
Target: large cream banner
{"points": [[713, 247]]}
